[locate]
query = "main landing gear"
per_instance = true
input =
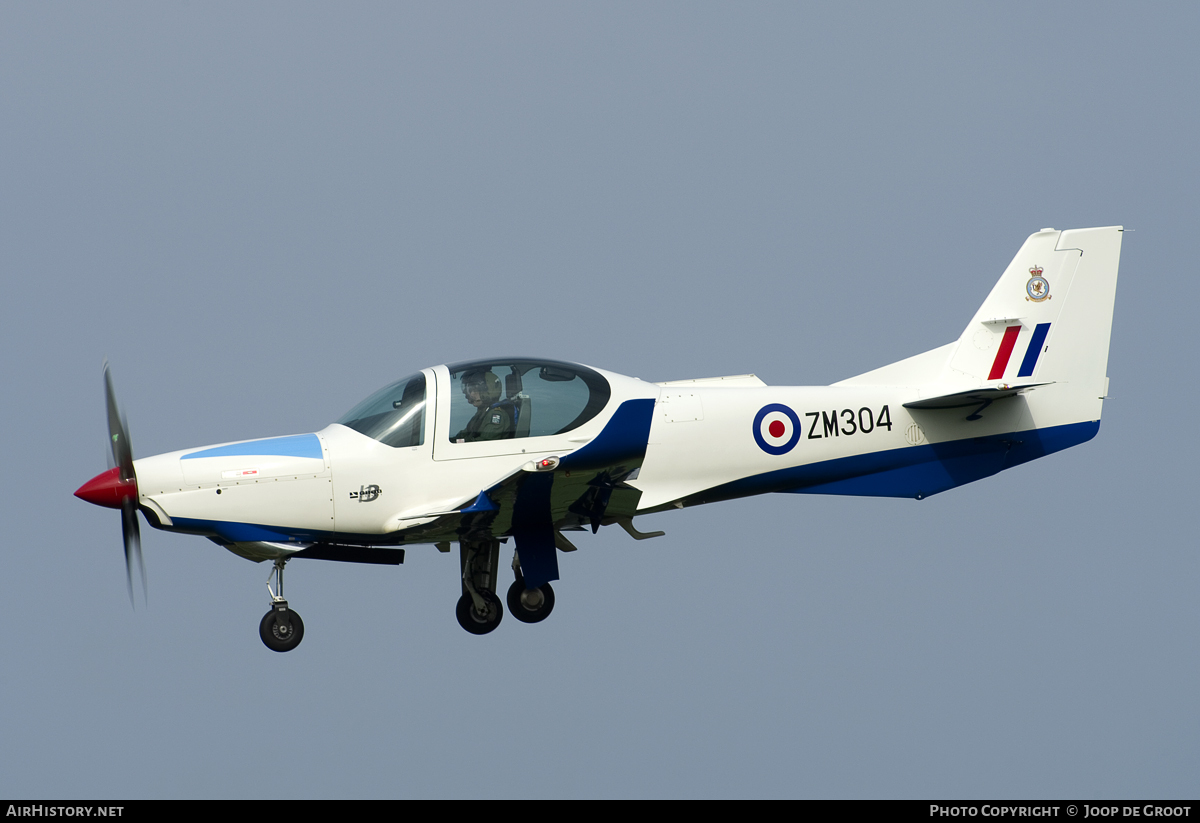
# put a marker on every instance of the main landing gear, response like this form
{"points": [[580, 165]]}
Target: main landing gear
{"points": [[479, 610], [529, 605], [281, 628]]}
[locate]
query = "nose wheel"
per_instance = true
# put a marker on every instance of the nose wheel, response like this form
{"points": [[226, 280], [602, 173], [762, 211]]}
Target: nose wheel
{"points": [[281, 629]]}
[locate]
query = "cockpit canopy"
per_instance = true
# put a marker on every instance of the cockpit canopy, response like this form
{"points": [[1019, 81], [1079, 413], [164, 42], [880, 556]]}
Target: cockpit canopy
{"points": [[498, 399], [521, 398]]}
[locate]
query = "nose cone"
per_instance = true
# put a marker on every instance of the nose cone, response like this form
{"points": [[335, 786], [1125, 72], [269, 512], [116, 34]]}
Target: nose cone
{"points": [[108, 489]]}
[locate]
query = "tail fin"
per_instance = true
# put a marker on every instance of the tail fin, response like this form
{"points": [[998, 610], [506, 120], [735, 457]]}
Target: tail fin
{"points": [[1048, 319]]}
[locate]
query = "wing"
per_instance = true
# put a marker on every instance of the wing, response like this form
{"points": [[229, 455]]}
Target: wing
{"points": [[535, 503]]}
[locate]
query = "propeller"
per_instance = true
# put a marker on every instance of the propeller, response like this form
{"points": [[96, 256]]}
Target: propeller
{"points": [[117, 487]]}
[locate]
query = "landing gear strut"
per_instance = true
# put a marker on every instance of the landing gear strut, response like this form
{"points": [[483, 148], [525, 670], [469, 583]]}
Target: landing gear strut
{"points": [[479, 610], [529, 605], [281, 628]]}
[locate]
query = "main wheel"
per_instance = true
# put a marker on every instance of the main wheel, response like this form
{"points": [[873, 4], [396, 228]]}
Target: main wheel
{"points": [[475, 622], [280, 637], [530, 605]]}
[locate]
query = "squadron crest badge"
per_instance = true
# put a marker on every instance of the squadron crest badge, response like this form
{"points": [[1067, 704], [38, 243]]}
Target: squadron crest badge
{"points": [[1038, 288]]}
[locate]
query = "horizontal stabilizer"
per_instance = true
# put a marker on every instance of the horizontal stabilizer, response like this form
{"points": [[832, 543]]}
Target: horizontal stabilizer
{"points": [[973, 397]]}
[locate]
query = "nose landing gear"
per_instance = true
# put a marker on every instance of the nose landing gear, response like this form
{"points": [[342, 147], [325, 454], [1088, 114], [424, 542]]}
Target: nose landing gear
{"points": [[281, 629]]}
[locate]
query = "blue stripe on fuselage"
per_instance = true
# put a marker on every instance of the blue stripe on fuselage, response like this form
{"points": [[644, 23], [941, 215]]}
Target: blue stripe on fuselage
{"points": [[248, 532], [916, 471], [623, 438]]}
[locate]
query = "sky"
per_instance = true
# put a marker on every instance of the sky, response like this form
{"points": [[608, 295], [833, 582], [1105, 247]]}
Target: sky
{"points": [[262, 213]]}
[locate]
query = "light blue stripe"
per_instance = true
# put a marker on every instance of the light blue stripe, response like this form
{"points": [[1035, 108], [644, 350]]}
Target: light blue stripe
{"points": [[297, 445]]}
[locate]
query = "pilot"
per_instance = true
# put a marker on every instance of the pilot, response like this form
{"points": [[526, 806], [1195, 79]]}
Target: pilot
{"points": [[493, 418]]}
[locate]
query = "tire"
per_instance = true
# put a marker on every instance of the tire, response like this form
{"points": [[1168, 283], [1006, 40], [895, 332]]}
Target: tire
{"points": [[472, 620], [521, 611], [273, 638]]}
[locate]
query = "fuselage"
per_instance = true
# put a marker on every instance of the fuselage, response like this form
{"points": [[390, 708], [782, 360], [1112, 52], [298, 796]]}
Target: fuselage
{"points": [[676, 444]]}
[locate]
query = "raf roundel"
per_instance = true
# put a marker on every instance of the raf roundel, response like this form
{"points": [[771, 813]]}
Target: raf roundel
{"points": [[776, 429]]}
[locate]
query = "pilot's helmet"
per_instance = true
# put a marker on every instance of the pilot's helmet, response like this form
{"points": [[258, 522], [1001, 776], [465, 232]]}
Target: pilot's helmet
{"points": [[484, 382]]}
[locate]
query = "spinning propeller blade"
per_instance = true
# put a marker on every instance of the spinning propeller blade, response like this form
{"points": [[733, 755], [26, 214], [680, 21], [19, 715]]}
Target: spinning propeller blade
{"points": [[131, 533], [117, 487], [118, 432]]}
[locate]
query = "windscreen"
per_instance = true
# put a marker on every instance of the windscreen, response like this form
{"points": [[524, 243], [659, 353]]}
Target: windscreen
{"points": [[394, 415]]}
